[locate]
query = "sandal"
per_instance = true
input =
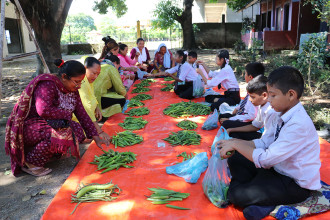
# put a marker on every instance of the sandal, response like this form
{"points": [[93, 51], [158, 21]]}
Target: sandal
{"points": [[37, 171]]}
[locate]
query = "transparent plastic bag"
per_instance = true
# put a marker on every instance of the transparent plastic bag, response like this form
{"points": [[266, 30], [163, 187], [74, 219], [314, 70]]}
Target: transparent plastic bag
{"points": [[210, 92], [211, 121], [221, 135], [191, 169], [216, 181], [226, 108], [199, 88], [141, 73]]}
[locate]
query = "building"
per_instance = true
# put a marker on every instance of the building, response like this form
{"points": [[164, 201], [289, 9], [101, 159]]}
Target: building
{"points": [[17, 39], [281, 23], [205, 12]]}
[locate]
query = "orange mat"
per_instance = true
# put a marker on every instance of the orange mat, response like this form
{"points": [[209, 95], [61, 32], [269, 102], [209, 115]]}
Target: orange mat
{"points": [[149, 171]]}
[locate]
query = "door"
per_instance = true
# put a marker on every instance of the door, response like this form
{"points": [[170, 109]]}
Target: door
{"points": [[278, 19], [286, 17], [13, 36]]}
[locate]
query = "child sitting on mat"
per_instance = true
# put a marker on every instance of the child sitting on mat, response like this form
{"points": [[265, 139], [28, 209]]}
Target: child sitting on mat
{"points": [[192, 58], [283, 166], [257, 90], [224, 77], [245, 112]]}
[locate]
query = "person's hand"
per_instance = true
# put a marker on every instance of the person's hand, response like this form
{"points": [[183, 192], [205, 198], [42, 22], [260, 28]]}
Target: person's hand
{"points": [[98, 114], [234, 112], [226, 148], [148, 75], [137, 54], [99, 142], [199, 71], [132, 69], [229, 130], [222, 120], [104, 136], [199, 62], [131, 76]]}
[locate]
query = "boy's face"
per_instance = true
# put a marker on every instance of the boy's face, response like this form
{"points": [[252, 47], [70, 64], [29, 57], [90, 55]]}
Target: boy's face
{"points": [[191, 60], [247, 77], [279, 101], [257, 99]]}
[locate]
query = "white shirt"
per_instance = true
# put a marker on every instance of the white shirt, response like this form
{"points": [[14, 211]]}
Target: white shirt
{"points": [[187, 72], [225, 76], [296, 152], [263, 111], [250, 112], [194, 65]]}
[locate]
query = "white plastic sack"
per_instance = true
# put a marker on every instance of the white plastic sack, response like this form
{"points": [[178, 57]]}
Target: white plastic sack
{"points": [[199, 87]]}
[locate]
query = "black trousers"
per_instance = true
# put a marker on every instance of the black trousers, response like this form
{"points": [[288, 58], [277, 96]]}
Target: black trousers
{"points": [[240, 135], [262, 187], [232, 98], [185, 91], [107, 102]]}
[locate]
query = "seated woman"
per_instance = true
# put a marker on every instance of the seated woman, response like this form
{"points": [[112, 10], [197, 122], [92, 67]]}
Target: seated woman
{"points": [[163, 59], [86, 92], [127, 65], [141, 54], [109, 89], [110, 47], [40, 125]]}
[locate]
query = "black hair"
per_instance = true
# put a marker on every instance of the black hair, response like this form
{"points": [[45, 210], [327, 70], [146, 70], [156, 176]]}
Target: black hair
{"points": [[89, 62], [192, 54], [223, 54], [181, 53], [122, 46], [257, 85], [108, 39], [255, 69], [285, 78], [71, 68], [139, 39], [113, 58]]}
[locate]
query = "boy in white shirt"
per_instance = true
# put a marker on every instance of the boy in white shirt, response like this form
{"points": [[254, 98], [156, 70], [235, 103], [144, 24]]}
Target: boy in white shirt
{"points": [[192, 58], [283, 166], [257, 90], [245, 112]]}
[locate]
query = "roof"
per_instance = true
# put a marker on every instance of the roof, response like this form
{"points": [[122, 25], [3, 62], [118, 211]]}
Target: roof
{"points": [[248, 5]]}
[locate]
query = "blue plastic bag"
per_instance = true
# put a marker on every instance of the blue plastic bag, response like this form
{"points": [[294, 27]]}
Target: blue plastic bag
{"points": [[211, 121], [221, 135], [141, 73], [190, 170], [125, 106], [216, 180]]}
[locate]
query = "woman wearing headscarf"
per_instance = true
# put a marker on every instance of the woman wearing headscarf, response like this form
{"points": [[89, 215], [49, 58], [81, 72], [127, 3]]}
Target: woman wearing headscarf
{"points": [[163, 59]]}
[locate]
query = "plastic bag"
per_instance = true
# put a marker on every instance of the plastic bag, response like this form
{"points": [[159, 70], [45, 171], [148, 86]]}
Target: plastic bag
{"points": [[221, 135], [211, 121], [191, 169], [216, 181], [125, 106], [199, 88], [210, 92], [226, 108], [141, 73]]}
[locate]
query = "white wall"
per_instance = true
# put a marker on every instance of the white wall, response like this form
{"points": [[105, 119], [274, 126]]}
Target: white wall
{"points": [[198, 11]]}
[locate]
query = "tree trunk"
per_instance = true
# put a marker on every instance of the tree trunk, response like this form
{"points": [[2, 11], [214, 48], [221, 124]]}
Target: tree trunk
{"points": [[47, 19], [187, 27]]}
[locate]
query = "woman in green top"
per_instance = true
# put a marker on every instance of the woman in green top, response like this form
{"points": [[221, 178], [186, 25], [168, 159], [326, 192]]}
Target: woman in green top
{"points": [[109, 89]]}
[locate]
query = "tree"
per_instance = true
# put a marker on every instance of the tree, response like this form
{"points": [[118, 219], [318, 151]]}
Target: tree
{"points": [[47, 18], [77, 28], [237, 4], [118, 6], [322, 8], [167, 14]]}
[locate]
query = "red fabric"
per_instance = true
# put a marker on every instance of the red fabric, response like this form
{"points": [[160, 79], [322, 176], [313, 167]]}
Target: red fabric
{"points": [[149, 171]]}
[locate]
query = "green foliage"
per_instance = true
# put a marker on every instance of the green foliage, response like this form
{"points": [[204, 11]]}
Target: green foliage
{"points": [[237, 4], [239, 45], [248, 24], [77, 26], [322, 8], [319, 114], [117, 6], [253, 52], [311, 60], [166, 14]]}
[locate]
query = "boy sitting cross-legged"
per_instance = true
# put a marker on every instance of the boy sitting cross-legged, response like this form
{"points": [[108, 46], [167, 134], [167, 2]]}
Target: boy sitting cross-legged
{"points": [[284, 165], [257, 90]]}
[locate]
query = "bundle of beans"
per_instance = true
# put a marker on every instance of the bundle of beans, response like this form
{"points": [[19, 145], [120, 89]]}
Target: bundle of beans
{"points": [[131, 123], [126, 138], [184, 138], [186, 109], [138, 111]]}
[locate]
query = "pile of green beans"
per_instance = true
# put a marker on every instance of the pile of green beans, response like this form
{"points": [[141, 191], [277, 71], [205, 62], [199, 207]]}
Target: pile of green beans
{"points": [[131, 123], [126, 138], [141, 97], [187, 125], [138, 111], [161, 196], [113, 160], [168, 79], [144, 83], [168, 87], [94, 192], [186, 109], [186, 156], [184, 137], [135, 103], [140, 90]]}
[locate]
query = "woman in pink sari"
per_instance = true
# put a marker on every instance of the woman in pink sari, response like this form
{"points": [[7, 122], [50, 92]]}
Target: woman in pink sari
{"points": [[127, 64], [40, 125]]}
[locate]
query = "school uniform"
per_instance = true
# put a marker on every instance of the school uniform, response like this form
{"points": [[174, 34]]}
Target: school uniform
{"points": [[197, 66], [286, 163], [187, 74], [258, 122], [227, 79]]}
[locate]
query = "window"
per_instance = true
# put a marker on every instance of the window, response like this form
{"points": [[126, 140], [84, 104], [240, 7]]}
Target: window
{"points": [[278, 19], [286, 17], [8, 37]]}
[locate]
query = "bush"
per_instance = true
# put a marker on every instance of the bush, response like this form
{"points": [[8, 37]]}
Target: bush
{"points": [[239, 46], [319, 114]]}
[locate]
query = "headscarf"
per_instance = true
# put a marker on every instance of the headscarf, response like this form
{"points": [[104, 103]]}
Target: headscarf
{"points": [[167, 56], [143, 56]]}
